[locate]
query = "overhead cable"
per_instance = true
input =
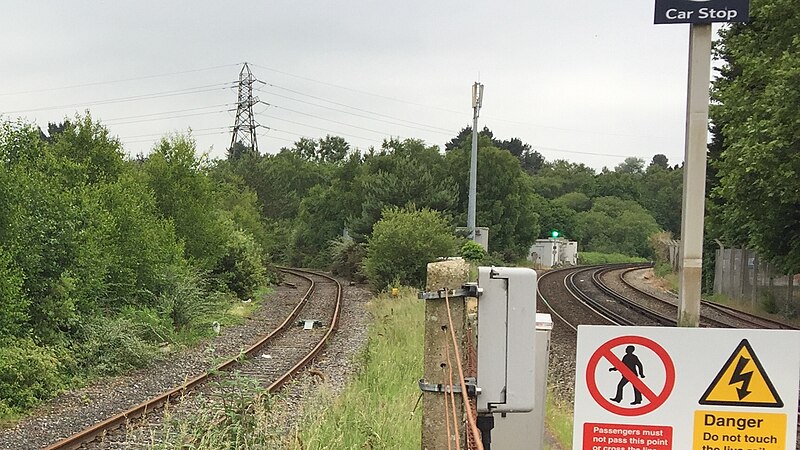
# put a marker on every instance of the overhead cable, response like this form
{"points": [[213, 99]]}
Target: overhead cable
{"points": [[194, 90], [415, 124], [98, 83]]}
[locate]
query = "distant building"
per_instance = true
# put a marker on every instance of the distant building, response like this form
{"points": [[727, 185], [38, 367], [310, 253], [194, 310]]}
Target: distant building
{"points": [[553, 252]]}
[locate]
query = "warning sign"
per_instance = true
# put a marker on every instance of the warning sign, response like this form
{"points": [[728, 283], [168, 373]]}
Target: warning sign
{"points": [[614, 436], [645, 398], [718, 430], [669, 388], [742, 381]]}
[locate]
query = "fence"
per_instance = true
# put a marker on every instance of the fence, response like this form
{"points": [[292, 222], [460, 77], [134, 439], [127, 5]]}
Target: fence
{"points": [[741, 274]]}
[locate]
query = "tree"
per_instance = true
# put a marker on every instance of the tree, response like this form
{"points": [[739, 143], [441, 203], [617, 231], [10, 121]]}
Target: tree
{"points": [[504, 200], [661, 192], [614, 225], [660, 161], [632, 165], [756, 98], [239, 151], [530, 160], [562, 177], [403, 172], [184, 194], [87, 144], [405, 240]]}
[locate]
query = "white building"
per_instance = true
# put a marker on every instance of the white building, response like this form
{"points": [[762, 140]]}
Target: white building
{"points": [[554, 251]]}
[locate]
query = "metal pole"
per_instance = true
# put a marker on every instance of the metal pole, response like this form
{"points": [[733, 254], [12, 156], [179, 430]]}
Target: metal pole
{"points": [[477, 99], [694, 174]]}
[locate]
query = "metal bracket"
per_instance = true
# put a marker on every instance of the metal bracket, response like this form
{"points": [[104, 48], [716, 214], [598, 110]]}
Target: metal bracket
{"points": [[467, 290], [472, 388]]}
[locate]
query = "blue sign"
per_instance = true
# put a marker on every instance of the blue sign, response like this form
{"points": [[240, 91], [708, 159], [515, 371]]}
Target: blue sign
{"points": [[702, 11]]}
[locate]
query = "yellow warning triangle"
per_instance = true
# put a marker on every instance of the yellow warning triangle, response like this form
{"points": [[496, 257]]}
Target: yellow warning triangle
{"points": [[742, 381]]}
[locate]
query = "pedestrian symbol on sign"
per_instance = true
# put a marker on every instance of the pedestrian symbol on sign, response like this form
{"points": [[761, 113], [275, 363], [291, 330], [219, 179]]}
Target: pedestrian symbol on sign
{"points": [[647, 396], [632, 362]]}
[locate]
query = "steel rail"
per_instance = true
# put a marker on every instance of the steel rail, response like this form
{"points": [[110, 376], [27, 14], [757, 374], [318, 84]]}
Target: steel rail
{"points": [[92, 433], [752, 319]]}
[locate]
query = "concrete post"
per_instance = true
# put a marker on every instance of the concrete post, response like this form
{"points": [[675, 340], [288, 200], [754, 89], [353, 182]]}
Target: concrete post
{"points": [[442, 275], [694, 175]]}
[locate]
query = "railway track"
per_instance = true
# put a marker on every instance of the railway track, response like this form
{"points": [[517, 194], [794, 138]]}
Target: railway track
{"points": [[581, 296], [728, 316], [271, 360]]}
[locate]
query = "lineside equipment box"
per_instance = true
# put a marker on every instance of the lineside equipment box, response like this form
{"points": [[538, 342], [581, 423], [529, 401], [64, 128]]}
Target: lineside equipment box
{"points": [[506, 339]]}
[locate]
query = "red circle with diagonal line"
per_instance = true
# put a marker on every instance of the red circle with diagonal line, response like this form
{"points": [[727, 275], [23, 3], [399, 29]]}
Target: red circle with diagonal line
{"points": [[654, 399]]}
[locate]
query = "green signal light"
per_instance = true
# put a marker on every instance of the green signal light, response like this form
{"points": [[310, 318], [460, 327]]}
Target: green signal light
{"points": [[554, 233]]}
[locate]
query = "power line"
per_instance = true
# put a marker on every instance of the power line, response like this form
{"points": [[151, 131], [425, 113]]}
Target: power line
{"points": [[170, 117], [226, 130], [98, 83], [417, 125], [166, 112], [191, 131], [320, 128], [383, 133], [561, 150], [357, 90], [601, 133], [460, 113], [194, 90]]}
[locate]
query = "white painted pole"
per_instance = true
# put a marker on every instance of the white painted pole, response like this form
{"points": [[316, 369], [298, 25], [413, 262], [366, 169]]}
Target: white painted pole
{"points": [[694, 175]]}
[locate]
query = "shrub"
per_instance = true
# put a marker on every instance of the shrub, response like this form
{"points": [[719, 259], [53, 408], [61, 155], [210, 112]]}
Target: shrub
{"points": [[403, 242], [472, 251], [347, 258], [185, 301], [241, 268], [112, 346], [591, 258], [28, 373]]}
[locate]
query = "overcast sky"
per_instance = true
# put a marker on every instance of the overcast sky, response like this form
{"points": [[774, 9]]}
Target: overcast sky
{"points": [[587, 81]]}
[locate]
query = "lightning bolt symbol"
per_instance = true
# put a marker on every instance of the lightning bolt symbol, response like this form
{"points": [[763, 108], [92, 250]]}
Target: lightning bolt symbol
{"points": [[739, 377]]}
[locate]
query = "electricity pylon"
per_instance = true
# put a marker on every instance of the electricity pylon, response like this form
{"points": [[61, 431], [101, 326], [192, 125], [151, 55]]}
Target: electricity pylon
{"points": [[244, 130]]}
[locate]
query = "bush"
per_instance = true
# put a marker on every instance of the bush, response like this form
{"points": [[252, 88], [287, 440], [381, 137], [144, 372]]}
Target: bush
{"points": [[112, 346], [185, 301], [472, 251], [28, 373], [403, 242], [347, 258], [241, 268]]}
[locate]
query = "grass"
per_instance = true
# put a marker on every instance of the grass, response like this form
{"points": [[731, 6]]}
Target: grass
{"points": [[559, 423], [379, 409], [592, 258]]}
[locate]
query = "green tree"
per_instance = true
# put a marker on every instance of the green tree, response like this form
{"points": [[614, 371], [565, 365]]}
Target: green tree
{"points": [[403, 172], [562, 177], [530, 160], [504, 198], [661, 194], [756, 98], [404, 241], [614, 225], [88, 144], [185, 194]]}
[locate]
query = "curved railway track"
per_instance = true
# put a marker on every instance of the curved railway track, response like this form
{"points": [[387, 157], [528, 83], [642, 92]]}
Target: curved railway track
{"points": [[272, 360], [729, 316], [580, 296]]}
